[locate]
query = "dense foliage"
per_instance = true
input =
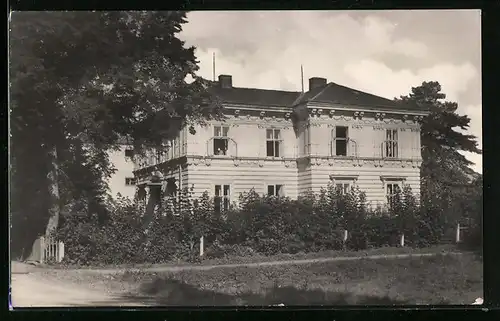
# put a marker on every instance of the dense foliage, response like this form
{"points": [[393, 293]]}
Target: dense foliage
{"points": [[81, 82], [258, 225]]}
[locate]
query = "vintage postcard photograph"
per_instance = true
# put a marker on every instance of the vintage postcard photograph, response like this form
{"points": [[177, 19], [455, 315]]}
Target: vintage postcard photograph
{"points": [[245, 158]]}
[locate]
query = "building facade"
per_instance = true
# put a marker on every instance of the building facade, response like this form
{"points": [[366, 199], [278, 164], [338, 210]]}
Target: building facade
{"points": [[122, 182], [287, 143]]}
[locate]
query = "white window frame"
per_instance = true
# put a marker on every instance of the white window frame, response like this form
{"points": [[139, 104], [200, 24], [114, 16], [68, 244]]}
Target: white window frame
{"points": [[223, 197], [392, 180], [351, 181], [275, 140], [220, 137], [334, 139], [281, 192], [391, 143]]}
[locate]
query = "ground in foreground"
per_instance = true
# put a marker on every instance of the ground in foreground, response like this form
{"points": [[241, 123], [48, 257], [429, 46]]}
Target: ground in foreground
{"points": [[441, 279]]}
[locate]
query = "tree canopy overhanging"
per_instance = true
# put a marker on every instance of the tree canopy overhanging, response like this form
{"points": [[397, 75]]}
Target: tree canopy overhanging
{"points": [[79, 83]]}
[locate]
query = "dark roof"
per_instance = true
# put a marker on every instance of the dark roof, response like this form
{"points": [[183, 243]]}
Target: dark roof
{"points": [[338, 94], [330, 93], [254, 96]]}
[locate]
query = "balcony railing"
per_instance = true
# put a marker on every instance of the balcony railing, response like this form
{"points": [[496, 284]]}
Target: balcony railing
{"points": [[222, 146], [389, 149], [351, 148]]}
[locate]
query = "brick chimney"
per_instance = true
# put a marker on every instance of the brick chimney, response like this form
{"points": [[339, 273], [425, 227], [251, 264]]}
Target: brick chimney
{"points": [[316, 82], [226, 81]]}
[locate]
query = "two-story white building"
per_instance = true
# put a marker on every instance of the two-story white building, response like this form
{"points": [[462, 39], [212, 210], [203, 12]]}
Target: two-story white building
{"points": [[286, 143]]}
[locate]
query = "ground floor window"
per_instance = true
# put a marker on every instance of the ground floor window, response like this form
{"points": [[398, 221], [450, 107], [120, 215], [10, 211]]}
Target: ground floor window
{"points": [[222, 197], [343, 187], [275, 190], [391, 190]]}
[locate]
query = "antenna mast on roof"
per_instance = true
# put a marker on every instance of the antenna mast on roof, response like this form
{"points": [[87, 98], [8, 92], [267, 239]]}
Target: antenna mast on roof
{"points": [[302, 77], [213, 66]]}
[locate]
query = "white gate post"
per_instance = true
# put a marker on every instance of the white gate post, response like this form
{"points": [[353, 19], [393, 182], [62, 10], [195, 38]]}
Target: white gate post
{"points": [[402, 240], [201, 245], [457, 236], [42, 249], [61, 252]]}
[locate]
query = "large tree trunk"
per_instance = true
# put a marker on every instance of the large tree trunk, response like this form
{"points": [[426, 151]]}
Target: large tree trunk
{"points": [[54, 209]]}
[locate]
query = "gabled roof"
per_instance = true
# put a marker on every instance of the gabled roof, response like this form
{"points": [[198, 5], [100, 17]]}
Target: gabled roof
{"points": [[337, 94], [254, 96]]}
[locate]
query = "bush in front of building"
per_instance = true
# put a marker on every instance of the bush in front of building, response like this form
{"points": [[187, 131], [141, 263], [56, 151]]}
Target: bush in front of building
{"points": [[258, 225]]}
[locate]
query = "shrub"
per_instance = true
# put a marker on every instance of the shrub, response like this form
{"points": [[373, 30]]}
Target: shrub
{"points": [[257, 225]]}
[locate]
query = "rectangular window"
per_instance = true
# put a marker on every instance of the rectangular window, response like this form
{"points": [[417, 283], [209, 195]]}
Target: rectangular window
{"points": [[273, 137], [129, 181], [221, 140], [391, 143], [339, 141], [275, 190], [391, 190], [343, 187], [129, 153], [222, 197]]}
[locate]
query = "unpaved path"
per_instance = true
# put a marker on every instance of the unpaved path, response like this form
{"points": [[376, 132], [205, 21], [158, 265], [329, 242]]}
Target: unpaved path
{"points": [[257, 264], [35, 290], [31, 288]]}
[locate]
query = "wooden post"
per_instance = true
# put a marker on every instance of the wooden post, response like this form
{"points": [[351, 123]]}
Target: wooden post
{"points": [[457, 236], [201, 245], [402, 240]]}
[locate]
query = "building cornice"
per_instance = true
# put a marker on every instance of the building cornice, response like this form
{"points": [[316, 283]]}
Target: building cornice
{"points": [[332, 161], [370, 109]]}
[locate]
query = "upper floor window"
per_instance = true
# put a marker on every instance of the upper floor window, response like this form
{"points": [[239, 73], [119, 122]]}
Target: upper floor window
{"points": [[275, 190], [129, 181], [129, 153], [273, 137], [339, 141], [391, 143], [221, 140], [222, 197]]}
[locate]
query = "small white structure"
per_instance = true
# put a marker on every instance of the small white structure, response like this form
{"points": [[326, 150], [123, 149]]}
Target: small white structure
{"points": [[47, 249]]}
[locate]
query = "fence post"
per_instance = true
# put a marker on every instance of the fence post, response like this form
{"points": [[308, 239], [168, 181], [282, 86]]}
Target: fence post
{"points": [[346, 234], [201, 245], [42, 249], [402, 240], [61, 252], [457, 235]]}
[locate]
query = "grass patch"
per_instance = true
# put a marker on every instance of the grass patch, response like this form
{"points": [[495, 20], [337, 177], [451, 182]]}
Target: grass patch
{"points": [[442, 279], [231, 259]]}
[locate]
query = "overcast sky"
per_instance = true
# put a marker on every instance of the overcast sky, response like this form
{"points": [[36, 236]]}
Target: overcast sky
{"points": [[380, 52]]}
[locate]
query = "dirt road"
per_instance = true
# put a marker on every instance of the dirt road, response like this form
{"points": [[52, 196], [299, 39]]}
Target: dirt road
{"points": [[35, 290]]}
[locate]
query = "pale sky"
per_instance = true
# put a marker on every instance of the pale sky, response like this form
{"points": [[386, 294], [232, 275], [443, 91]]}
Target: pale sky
{"points": [[380, 52]]}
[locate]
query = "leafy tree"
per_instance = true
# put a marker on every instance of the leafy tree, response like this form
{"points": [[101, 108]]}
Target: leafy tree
{"points": [[80, 82]]}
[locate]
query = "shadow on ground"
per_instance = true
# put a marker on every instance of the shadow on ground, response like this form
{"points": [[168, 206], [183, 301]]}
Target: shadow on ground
{"points": [[168, 292]]}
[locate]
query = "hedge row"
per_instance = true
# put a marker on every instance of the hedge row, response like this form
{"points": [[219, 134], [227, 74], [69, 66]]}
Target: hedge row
{"points": [[264, 225]]}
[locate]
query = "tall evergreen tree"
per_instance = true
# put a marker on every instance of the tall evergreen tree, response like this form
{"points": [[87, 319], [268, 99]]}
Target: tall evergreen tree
{"points": [[445, 172]]}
